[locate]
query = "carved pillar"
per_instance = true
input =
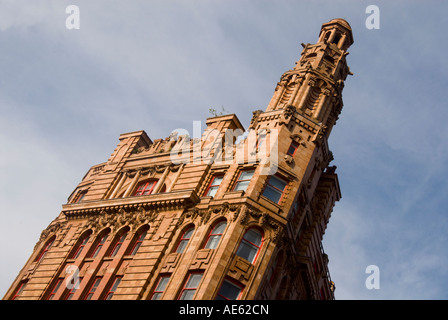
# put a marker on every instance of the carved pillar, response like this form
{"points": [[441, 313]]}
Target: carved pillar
{"points": [[302, 104], [161, 180], [294, 94], [320, 106], [277, 95], [118, 186], [132, 185], [175, 177], [341, 41]]}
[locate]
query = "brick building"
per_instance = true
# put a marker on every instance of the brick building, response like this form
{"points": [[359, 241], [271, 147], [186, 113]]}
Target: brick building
{"points": [[235, 214]]}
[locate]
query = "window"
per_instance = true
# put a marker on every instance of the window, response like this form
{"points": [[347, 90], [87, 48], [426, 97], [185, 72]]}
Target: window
{"points": [[99, 245], [19, 290], [45, 249], [274, 189], [213, 186], [336, 38], [260, 140], [292, 148], [141, 236], [184, 240], [161, 285], [70, 292], [229, 291], [191, 286], [250, 245], [243, 180], [113, 287], [93, 288], [55, 289], [118, 243], [145, 188], [81, 245], [215, 235], [80, 196]]}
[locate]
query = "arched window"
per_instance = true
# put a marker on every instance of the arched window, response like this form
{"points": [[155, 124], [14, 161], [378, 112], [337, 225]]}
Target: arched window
{"points": [[145, 188], [336, 38], [118, 242], [140, 236], [81, 244], [99, 243], [215, 235], [183, 241], [250, 245], [45, 249]]}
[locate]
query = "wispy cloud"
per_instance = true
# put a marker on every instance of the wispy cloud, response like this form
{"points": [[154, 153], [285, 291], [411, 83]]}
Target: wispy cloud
{"points": [[65, 96]]}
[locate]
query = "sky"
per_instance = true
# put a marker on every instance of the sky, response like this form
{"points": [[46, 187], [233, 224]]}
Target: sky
{"points": [[67, 94]]}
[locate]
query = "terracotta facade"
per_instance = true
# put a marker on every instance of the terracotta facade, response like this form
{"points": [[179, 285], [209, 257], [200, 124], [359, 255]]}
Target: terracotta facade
{"points": [[217, 217]]}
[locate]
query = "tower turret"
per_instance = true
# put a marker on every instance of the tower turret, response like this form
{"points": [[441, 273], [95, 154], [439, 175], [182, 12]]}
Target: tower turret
{"points": [[314, 86]]}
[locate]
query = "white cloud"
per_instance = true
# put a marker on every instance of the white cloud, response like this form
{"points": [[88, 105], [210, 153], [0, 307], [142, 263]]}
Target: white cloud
{"points": [[65, 96]]}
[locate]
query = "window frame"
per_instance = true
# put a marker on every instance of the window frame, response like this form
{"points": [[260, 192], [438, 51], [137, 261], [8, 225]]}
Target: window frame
{"points": [[19, 290], [145, 184], [210, 234], [54, 289], [252, 245], [182, 238], [111, 291], [118, 242], [99, 244], [93, 288], [211, 185], [43, 252], [282, 192], [79, 196], [233, 283], [293, 145], [161, 290], [83, 240], [261, 139], [238, 180], [71, 292], [184, 286], [138, 241]]}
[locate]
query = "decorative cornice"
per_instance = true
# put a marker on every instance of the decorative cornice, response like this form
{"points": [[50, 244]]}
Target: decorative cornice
{"points": [[159, 202]]}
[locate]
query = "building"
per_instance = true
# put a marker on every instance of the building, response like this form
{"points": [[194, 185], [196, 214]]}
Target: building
{"points": [[235, 214]]}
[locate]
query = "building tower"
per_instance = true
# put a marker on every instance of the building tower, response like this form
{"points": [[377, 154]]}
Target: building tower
{"points": [[234, 214]]}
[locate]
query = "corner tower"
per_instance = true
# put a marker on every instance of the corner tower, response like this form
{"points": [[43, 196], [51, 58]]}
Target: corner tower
{"points": [[314, 86], [181, 218]]}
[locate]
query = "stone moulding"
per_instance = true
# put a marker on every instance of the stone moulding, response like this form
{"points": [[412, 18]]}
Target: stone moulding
{"points": [[165, 201]]}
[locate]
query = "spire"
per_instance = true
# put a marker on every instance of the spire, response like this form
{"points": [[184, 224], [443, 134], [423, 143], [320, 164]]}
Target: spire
{"points": [[314, 86]]}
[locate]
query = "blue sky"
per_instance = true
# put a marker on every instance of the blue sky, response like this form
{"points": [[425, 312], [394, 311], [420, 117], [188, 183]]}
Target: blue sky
{"points": [[66, 96]]}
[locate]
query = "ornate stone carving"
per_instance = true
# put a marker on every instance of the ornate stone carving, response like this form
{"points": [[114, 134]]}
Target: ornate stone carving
{"points": [[122, 217], [289, 111], [263, 220]]}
